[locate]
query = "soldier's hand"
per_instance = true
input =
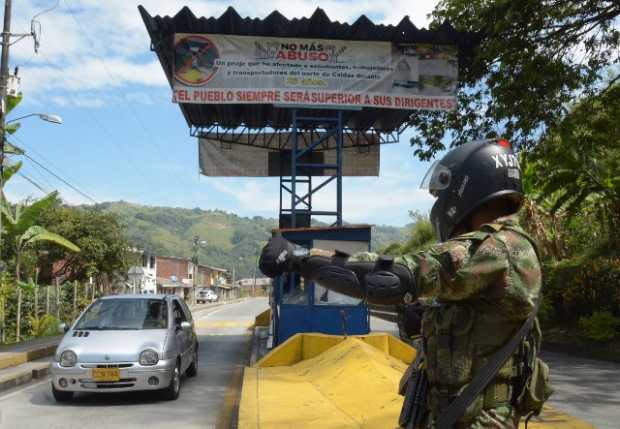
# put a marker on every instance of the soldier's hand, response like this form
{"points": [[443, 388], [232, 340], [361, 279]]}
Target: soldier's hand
{"points": [[277, 257]]}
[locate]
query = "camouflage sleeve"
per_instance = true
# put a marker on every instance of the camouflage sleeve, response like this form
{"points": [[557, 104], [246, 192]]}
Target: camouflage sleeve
{"points": [[456, 269], [462, 267]]}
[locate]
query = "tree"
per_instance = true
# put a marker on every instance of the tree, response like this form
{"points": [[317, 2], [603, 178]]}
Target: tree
{"points": [[101, 237], [532, 58], [21, 229], [577, 166]]}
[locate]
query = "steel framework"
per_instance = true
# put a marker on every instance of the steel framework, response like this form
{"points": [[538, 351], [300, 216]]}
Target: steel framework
{"points": [[298, 188]]}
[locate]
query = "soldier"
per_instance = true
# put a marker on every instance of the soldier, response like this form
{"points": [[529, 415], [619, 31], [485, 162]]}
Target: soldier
{"points": [[485, 279]]}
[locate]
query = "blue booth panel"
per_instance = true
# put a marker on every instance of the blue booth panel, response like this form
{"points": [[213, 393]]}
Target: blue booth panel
{"points": [[295, 306], [327, 319]]}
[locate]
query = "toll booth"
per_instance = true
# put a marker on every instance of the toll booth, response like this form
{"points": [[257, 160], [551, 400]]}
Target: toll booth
{"points": [[309, 101], [304, 306]]}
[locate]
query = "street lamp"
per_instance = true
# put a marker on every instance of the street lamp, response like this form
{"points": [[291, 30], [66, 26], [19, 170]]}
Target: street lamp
{"points": [[48, 117]]}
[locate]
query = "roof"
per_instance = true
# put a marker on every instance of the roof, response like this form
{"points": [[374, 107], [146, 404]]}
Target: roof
{"points": [[161, 30], [184, 259]]}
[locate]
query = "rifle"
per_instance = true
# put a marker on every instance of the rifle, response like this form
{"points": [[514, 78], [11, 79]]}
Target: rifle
{"points": [[414, 386]]}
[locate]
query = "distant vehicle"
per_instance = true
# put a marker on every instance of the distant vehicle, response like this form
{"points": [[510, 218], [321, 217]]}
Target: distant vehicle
{"points": [[206, 295], [127, 343]]}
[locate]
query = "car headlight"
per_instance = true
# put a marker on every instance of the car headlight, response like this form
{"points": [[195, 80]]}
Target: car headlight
{"points": [[68, 358], [148, 357]]}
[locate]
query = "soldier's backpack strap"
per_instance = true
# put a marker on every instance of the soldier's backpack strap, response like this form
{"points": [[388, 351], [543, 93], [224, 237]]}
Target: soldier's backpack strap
{"points": [[459, 405]]}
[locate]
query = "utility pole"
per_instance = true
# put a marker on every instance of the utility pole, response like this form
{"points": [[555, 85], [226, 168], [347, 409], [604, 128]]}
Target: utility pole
{"points": [[4, 79], [197, 243]]}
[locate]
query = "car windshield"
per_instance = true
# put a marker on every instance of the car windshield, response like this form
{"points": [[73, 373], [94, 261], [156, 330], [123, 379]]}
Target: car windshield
{"points": [[125, 314]]}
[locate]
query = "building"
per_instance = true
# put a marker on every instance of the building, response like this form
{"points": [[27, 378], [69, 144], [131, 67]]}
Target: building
{"points": [[180, 276], [212, 276], [142, 278], [175, 276]]}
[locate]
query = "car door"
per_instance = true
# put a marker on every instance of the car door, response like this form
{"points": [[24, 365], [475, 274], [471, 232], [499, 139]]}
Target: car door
{"points": [[191, 334], [182, 336]]}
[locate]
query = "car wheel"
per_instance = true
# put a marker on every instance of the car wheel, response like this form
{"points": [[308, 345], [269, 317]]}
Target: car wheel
{"points": [[192, 369], [61, 395], [171, 392]]}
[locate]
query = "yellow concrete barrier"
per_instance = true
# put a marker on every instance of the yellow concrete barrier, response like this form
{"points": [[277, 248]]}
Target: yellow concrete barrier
{"points": [[263, 319], [325, 381]]}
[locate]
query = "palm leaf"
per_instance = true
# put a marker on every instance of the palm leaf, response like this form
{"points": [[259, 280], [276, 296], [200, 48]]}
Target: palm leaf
{"points": [[11, 149], [12, 101], [12, 128], [29, 215], [38, 233], [7, 214], [10, 170]]}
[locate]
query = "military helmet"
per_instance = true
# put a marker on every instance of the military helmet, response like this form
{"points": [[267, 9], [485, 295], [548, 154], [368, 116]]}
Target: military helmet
{"points": [[469, 176]]}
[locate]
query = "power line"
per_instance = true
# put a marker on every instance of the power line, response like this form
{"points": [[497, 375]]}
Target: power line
{"points": [[41, 177], [34, 183], [97, 123], [147, 132], [61, 179], [30, 148]]}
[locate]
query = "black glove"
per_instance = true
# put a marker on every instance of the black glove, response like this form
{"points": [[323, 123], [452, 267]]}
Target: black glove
{"points": [[278, 257]]}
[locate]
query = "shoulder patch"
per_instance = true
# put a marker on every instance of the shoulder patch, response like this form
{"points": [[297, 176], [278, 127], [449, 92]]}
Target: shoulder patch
{"points": [[492, 227], [473, 235]]}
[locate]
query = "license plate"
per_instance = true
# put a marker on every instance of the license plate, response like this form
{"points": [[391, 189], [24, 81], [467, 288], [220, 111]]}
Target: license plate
{"points": [[106, 374]]}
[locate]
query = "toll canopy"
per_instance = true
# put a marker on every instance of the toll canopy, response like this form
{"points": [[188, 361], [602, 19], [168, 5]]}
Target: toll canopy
{"points": [[213, 37]]}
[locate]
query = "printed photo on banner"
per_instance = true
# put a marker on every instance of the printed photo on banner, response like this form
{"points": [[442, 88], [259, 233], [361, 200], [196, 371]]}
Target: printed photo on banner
{"points": [[217, 69]]}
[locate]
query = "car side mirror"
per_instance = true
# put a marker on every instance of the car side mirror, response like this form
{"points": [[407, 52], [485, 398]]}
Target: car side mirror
{"points": [[63, 327], [186, 326]]}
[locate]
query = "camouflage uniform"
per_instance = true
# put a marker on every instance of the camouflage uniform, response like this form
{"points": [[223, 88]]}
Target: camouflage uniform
{"points": [[485, 284]]}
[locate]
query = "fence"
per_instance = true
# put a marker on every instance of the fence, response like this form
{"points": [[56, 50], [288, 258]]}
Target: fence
{"points": [[40, 308]]}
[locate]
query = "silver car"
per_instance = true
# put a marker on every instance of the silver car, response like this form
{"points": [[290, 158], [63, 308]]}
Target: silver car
{"points": [[126, 343]]}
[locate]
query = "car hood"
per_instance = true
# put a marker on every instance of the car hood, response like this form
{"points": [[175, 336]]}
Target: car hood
{"points": [[113, 346]]}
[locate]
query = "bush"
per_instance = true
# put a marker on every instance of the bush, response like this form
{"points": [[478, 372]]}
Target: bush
{"points": [[580, 286], [44, 326], [601, 326]]}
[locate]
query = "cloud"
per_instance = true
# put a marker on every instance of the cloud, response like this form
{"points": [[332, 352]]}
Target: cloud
{"points": [[384, 199], [103, 46]]}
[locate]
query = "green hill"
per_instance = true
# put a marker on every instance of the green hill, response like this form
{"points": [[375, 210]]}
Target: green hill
{"points": [[231, 239]]}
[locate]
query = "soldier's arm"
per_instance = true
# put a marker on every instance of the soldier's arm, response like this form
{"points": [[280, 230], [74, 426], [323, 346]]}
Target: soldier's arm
{"points": [[378, 279], [462, 267]]}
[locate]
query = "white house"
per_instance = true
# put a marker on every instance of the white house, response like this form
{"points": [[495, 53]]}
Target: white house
{"points": [[142, 278]]}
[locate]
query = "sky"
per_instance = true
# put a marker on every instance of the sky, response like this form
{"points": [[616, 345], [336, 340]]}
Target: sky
{"points": [[122, 138]]}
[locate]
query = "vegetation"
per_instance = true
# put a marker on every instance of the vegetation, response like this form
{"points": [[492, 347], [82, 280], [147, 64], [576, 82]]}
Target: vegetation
{"points": [[104, 247], [231, 240], [532, 59], [22, 232]]}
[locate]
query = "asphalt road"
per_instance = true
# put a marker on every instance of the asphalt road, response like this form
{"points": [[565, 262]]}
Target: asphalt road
{"points": [[205, 400], [586, 388]]}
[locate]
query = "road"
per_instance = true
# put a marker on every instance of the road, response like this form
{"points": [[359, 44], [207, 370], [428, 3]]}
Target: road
{"points": [[586, 388], [205, 402]]}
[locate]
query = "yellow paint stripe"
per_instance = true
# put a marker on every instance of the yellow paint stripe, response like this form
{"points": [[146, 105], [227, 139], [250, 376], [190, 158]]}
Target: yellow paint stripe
{"points": [[552, 418], [219, 324]]}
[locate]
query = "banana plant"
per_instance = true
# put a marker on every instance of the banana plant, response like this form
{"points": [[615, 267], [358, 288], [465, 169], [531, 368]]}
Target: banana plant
{"points": [[22, 231]]}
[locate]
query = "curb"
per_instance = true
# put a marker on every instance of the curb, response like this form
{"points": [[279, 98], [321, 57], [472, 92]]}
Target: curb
{"points": [[24, 376], [10, 359]]}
